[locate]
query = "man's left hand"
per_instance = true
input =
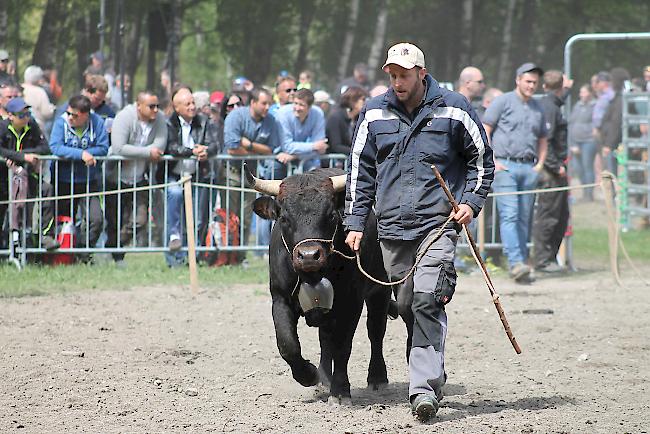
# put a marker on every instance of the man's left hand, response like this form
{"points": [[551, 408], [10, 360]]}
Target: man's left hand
{"points": [[464, 214]]}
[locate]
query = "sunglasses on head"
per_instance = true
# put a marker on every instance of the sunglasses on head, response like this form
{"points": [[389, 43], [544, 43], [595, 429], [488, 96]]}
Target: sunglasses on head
{"points": [[22, 115]]}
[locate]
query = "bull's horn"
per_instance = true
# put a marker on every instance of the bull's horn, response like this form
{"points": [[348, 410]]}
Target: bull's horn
{"points": [[270, 187], [339, 182]]}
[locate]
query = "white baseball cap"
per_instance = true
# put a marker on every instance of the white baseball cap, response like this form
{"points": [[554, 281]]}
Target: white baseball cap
{"points": [[405, 55]]}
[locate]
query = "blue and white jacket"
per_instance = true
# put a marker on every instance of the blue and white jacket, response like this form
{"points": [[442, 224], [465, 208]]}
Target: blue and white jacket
{"points": [[65, 143], [391, 158]]}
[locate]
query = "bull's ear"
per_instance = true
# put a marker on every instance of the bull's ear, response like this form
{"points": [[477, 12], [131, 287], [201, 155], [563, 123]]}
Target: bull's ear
{"points": [[266, 207]]}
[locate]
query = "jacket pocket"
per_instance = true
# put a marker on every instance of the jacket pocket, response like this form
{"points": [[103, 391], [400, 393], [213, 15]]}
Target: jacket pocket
{"points": [[434, 141], [386, 138]]}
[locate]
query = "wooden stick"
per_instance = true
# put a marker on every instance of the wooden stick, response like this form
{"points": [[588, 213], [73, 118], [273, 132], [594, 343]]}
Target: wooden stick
{"points": [[481, 264], [607, 182], [191, 242]]}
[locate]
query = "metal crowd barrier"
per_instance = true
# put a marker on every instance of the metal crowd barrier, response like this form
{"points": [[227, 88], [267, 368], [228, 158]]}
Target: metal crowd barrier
{"points": [[218, 185]]}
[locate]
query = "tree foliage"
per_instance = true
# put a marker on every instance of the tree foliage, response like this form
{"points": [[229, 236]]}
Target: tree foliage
{"points": [[219, 39]]}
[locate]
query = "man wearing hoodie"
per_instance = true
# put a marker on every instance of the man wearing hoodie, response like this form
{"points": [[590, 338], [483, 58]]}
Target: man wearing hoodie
{"points": [[78, 136], [139, 134]]}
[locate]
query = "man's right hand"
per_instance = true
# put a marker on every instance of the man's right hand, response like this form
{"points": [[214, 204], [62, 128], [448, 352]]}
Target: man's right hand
{"points": [[155, 153], [88, 158], [320, 146], [353, 240]]}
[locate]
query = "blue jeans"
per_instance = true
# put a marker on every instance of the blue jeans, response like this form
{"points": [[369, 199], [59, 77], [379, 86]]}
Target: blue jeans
{"points": [[175, 215], [515, 210], [584, 165]]}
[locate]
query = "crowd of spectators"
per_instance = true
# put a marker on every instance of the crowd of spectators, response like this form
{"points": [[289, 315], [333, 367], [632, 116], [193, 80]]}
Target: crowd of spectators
{"points": [[295, 122]]}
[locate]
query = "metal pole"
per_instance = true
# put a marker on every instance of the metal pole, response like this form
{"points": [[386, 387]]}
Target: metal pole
{"points": [[101, 27], [593, 37], [122, 53]]}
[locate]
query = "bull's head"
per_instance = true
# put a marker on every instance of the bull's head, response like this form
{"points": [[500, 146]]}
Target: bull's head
{"points": [[306, 207]]}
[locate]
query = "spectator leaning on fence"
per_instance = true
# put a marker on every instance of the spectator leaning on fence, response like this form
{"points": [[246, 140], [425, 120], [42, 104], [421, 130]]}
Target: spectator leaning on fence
{"points": [[304, 132], [21, 143], [189, 134], [285, 90], [515, 123], [139, 134], [78, 136]]}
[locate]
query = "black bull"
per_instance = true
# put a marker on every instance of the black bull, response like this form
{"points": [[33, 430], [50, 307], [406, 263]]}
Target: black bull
{"points": [[308, 207]]}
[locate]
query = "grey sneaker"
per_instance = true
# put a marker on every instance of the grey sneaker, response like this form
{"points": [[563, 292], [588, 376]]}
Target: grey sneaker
{"points": [[49, 243], [551, 268], [424, 407], [520, 272]]}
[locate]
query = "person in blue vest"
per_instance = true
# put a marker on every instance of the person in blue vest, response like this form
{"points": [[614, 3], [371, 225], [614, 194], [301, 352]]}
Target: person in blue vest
{"points": [[78, 136]]}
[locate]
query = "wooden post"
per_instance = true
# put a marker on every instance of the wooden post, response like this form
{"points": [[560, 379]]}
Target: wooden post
{"points": [[191, 241], [607, 184]]}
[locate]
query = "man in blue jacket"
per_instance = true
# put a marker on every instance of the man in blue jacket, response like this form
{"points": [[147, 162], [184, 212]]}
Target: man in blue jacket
{"points": [[398, 136], [78, 136]]}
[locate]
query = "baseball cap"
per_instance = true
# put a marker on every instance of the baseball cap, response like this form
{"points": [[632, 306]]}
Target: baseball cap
{"points": [[405, 55], [98, 55], [529, 67], [16, 105], [216, 97], [4, 55], [320, 96]]}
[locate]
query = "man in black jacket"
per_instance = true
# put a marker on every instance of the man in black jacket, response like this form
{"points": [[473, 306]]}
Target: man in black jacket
{"points": [[399, 135], [189, 134], [21, 142], [552, 214]]}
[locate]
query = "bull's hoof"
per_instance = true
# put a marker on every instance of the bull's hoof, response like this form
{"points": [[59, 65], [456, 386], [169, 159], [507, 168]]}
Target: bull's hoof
{"points": [[378, 386], [337, 401], [307, 376]]}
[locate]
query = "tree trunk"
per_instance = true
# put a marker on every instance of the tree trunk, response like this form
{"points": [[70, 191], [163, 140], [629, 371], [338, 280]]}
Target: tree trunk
{"points": [[307, 10], [134, 46], [81, 45], [525, 33], [4, 20], [52, 23], [348, 42], [467, 26], [504, 73], [376, 49]]}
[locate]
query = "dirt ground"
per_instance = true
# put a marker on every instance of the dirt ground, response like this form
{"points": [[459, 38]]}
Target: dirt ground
{"points": [[157, 360]]}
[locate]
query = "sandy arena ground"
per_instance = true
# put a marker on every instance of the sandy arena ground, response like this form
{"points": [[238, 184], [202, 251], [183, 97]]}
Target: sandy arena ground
{"points": [[157, 360]]}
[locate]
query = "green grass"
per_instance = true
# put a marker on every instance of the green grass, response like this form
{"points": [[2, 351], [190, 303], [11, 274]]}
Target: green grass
{"points": [[592, 243], [142, 270]]}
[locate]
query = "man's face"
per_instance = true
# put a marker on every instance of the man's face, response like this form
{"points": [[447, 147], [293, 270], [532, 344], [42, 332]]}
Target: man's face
{"points": [[96, 96], [148, 107], [261, 107], [360, 76], [286, 91], [476, 86], [7, 94], [405, 82], [184, 104], [77, 119], [19, 120], [646, 75], [3, 64], [300, 109], [527, 83]]}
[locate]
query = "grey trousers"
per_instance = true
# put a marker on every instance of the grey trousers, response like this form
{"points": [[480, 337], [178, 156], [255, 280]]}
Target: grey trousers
{"points": [[427, 356]]}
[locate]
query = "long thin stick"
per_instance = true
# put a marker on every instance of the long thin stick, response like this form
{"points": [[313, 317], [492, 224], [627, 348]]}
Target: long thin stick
{"points": [[191, 242], [481, 264]]}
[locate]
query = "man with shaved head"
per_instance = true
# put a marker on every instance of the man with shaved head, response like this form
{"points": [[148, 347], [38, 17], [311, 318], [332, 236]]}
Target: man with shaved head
{"points": [[140, 134], [192, 136], [470, 83]]}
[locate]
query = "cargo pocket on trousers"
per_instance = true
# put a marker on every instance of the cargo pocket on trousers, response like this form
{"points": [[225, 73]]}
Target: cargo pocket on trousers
{"points": [[446, 284]]}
